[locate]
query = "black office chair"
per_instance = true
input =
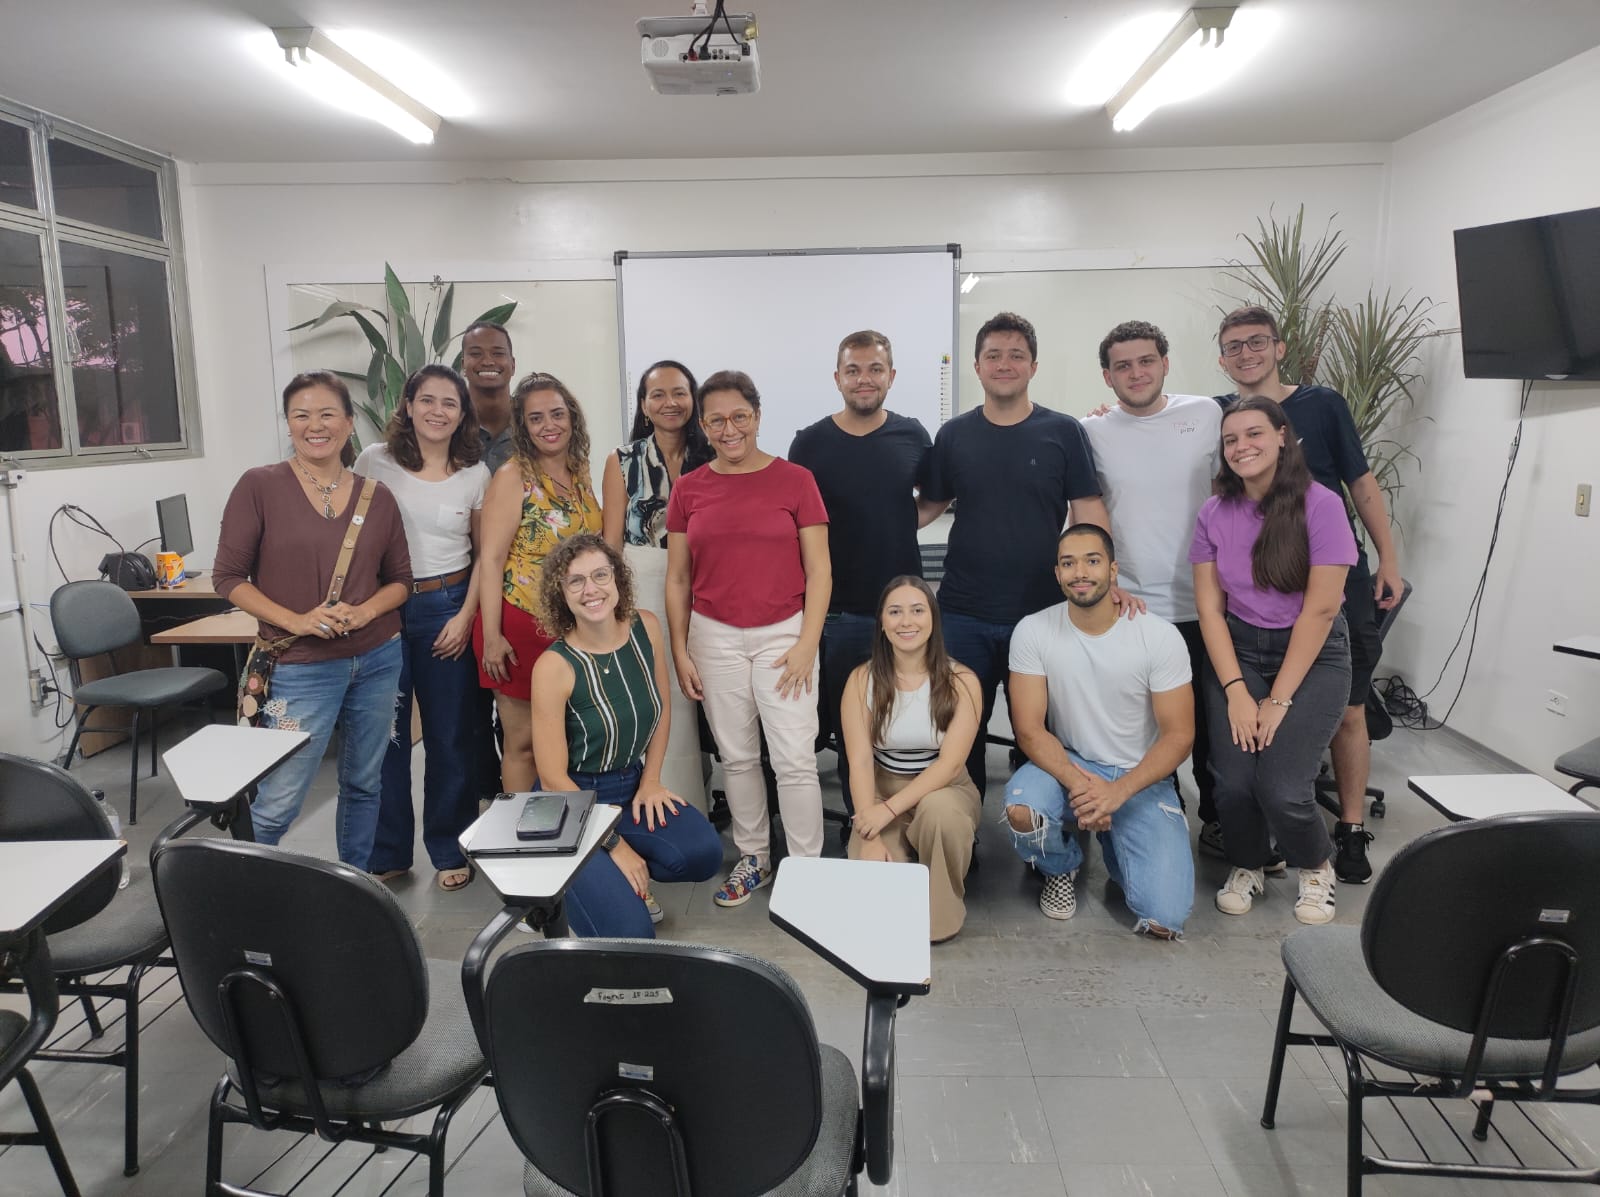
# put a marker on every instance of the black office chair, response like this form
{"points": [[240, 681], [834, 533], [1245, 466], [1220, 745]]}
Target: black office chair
{"points": [[100, 932], [612, 1062], [1582, 762], [1476, 968], [1379, 725], [308, 976], [91, 618]]}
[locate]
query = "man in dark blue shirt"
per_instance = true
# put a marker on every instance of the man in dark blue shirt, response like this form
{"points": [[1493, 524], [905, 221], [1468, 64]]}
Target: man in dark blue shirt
{"points": [[1251, 350], [866, 459], [1016, 472]]}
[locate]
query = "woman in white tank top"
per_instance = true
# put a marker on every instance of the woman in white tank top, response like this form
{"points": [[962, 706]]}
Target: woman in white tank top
{"points": [[910, 715]]}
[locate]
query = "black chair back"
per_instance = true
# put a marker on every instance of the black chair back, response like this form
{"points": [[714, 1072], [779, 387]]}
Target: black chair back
{"points": [[38, 801], [724, 1041], [1445, 911], [332, 940], [91, 618]]}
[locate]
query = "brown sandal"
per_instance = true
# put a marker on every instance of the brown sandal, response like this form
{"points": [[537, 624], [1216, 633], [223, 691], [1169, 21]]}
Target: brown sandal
{"points": [[451, 880], [391, 874]]}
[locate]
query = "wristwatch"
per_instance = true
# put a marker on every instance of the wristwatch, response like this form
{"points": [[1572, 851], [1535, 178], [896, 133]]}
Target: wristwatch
{"points": [[611, 841]]}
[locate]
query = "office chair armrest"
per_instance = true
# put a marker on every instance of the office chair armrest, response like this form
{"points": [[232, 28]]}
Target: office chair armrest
{"points": [[877, 1085], [474, 968]]}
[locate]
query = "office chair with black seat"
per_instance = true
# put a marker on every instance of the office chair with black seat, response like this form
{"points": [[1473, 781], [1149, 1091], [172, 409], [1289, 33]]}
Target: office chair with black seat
{"points": [[93, 618], [1379, 726], [612, 1059], [98, 933], [308, 976], [1476, 969]]}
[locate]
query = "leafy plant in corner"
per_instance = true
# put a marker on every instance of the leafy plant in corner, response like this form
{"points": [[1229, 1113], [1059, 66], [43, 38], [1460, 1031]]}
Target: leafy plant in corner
{"points": [[399, 348], [1370, 352]]}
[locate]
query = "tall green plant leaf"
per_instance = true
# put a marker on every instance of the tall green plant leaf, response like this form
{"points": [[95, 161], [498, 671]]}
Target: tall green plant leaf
{"points": [[333, 311], [400, 305], [499, 314], [1285, 279], [374, 337], [441, 322]]}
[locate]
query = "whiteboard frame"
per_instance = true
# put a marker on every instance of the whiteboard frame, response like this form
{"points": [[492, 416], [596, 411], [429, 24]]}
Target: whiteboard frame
{"points": [[860, 251]]}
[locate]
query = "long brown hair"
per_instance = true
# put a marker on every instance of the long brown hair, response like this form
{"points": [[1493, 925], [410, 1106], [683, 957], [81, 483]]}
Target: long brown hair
{"points": [[1280, 559], [401, 434], [943, 694], [522, 443]]}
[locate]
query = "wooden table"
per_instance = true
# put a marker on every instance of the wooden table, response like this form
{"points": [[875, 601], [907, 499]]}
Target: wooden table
{"points": [[198, 586], [230, 627], [1459, 797]]}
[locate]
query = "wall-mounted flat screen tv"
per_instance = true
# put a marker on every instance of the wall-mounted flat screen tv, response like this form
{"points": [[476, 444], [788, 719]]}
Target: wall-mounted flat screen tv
{"points": [[1530, 297]]}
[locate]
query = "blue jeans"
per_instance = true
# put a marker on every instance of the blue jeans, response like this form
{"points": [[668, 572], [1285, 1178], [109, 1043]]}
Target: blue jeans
{"points": [[846, 643], [1146, 851], [600, 902], [448, 693], [357, 694], [985, 648]]}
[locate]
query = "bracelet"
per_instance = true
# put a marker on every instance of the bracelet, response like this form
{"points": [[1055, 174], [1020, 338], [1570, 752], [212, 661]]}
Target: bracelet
{"points": [[892, 810], [1240, 678], [1285, 703]]}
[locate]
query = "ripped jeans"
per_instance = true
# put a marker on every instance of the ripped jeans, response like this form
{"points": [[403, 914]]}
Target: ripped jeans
{"points": [[356, 694], [1146, 851]]}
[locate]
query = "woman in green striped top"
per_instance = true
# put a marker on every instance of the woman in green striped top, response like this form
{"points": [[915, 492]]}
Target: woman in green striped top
{"points": [[599, 723]]}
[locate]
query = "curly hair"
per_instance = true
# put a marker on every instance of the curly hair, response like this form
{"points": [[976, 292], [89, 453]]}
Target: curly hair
{"points": [[401, 435], [555, 616], [1131, 330], [522, 443]]}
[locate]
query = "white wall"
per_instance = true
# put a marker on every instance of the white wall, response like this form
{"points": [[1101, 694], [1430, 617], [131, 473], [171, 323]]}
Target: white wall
{"points": [[1529, 151], [1144, 207]]}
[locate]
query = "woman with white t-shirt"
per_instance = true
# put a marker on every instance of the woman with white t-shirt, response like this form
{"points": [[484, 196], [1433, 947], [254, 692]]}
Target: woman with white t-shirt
{"points": [[430, 462]]}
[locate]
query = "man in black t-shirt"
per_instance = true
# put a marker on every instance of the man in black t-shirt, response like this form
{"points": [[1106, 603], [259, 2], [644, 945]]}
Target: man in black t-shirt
{"points": [[1016, 472], [1251, 350], [866, 460]]}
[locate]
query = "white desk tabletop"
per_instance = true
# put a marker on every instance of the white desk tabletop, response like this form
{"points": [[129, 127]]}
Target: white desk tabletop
{"points": [[222, 760], [1580, 646], [540, 878], [869, 917], [37, 877], [1483, 795]]}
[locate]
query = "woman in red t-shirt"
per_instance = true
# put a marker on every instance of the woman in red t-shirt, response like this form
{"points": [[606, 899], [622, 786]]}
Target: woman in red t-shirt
{"points": [[748, 581]]}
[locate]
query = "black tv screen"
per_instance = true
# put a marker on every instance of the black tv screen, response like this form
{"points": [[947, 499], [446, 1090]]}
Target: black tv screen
{"points": [[1530, 297]]}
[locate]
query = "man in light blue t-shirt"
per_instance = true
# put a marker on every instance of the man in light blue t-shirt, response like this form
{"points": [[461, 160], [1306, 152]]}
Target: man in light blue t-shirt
{"points": [[1103, 708]]}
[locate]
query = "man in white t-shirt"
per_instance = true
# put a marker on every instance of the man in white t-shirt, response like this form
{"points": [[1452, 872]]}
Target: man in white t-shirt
{"points": [[1156, 456], [1103, 708]]}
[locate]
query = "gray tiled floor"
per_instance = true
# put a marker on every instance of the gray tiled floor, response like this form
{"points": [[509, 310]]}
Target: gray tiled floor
{"points": [[1050, 1057]]}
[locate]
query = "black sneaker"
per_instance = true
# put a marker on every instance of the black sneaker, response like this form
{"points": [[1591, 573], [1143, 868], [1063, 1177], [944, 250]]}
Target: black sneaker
{"points": [[719, 815], [1350, 862]]}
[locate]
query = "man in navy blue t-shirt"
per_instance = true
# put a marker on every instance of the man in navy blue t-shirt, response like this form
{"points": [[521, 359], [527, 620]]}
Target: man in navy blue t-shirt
{"points": [[866, 459], [1018, 474], [1251, 350]]}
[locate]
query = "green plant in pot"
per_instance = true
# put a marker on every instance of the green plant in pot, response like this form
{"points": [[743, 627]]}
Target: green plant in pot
{"points": [[399, 346]]}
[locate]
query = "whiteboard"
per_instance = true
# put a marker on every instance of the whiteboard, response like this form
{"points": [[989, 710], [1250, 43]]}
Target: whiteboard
{"points": [[779, 316]]}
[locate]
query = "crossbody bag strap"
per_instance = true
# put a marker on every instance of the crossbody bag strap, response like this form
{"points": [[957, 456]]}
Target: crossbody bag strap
{"points": [[341, 567]]}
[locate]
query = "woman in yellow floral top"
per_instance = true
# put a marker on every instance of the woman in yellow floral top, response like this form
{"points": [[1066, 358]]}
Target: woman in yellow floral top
{"points": [[537, 499]]}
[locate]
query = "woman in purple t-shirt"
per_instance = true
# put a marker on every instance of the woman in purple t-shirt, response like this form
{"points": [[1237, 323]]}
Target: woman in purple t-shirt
{"points": [[1270, 552]]}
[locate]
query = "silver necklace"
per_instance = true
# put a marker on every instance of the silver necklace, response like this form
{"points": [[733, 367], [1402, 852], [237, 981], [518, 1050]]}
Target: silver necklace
{"points": [[325, 491]]}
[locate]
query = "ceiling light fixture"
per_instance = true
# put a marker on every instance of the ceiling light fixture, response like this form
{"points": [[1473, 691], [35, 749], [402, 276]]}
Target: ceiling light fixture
{"points": [[1173, 67], [338, 77]]}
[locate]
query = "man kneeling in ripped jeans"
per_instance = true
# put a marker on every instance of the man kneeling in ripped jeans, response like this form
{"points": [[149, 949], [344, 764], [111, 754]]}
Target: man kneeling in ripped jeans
{"points": [[1103, 708]]}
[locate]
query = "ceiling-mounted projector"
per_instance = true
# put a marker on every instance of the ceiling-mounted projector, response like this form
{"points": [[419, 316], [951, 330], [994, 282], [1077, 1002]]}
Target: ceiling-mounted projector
{"points": [[701, 55]]}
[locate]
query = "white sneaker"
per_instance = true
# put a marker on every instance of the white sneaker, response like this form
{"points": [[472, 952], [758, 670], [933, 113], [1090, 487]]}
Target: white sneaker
{"points": [[1315, 904], [1238, 893], [1059, 898]]}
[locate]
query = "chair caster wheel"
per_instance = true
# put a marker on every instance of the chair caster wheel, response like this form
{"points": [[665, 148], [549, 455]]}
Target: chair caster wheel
{"points": [[1379, 809]]}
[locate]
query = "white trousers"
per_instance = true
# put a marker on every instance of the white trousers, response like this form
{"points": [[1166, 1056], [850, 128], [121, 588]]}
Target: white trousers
{"points": [[683, 771], [739, 676]]}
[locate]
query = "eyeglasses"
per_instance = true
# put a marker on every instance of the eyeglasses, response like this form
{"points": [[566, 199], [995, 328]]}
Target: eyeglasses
{"points": [[575, 583], [1256, 344], [740, 420]]}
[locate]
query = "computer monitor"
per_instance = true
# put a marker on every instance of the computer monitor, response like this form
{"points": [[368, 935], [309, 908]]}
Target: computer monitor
{"points": [[172, 516]]}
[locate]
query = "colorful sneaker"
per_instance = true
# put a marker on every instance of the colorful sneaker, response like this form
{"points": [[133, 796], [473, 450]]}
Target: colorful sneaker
{"points": [[1315, 904], [1350, 863], [1238, 893], [748, 876], [654, 907], [1059, 898], [1211, 841]]}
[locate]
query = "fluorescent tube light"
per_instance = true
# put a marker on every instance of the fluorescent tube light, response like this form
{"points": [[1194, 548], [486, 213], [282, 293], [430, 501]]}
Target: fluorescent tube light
{"points": [[336, 76], [1175, 69]]}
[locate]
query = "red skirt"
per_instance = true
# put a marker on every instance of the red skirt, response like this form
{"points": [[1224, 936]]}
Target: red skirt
{"points": [[528, 642]]}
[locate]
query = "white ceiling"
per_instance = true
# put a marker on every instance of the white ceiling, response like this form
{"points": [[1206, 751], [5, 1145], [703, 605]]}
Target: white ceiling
{"points": [[560, 79]]}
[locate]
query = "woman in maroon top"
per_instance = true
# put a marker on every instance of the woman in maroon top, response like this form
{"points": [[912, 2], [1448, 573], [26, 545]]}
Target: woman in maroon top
{"points": [[748, 580], [282, 531]]}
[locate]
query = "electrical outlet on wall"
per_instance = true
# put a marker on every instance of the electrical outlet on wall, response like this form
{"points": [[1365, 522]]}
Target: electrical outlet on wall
{"points": [[1555, 702], [1585, 492]]}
